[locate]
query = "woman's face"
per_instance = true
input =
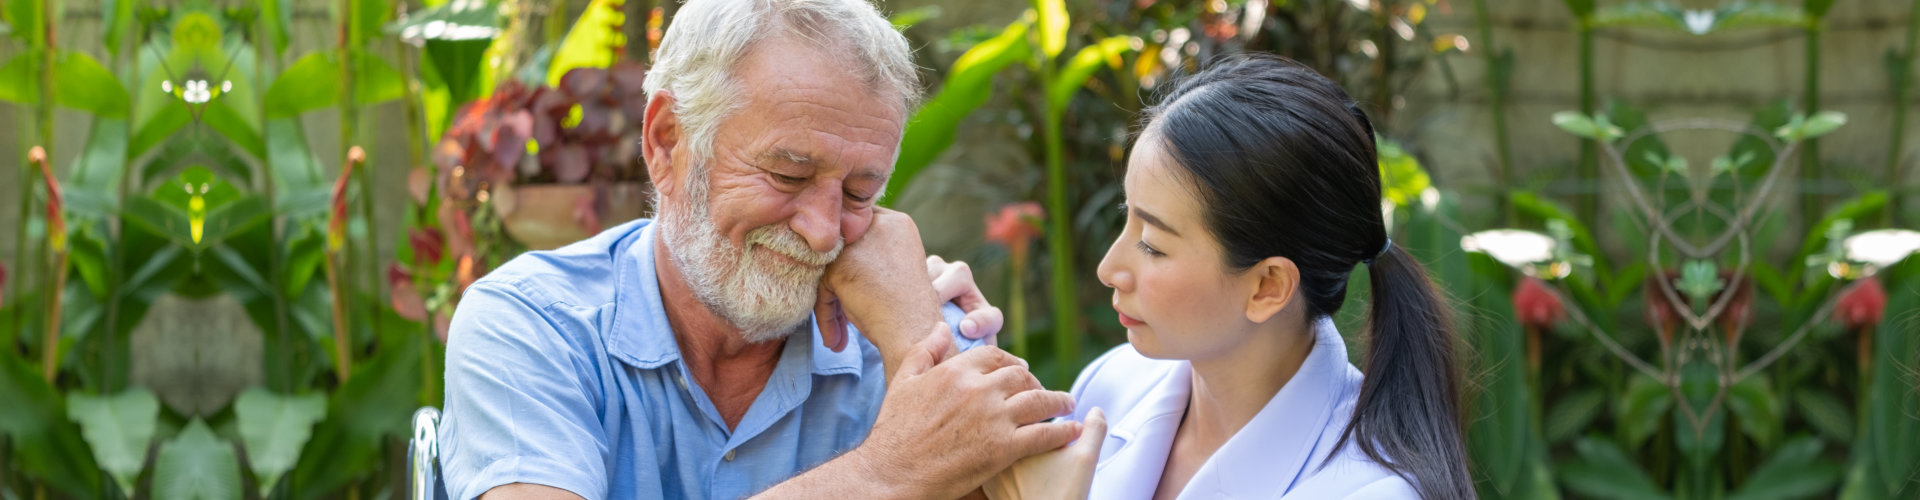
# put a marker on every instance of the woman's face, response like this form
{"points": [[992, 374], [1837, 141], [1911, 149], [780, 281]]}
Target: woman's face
{"points": [[1171, 285]]}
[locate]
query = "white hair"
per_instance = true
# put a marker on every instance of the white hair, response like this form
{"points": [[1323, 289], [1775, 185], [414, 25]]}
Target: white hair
{"points": [[707, 38]]}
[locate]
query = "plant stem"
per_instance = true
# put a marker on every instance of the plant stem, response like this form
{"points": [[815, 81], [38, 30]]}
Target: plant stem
{"points": [[1066, 315], [1017, 303], [1497, 100], [1902, 81], [342, 348], [279, 367], [1810, 150], [1589, 149], [50, 347]]}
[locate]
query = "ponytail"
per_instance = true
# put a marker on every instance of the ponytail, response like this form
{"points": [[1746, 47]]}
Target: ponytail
{"points": [[1408, 416]]}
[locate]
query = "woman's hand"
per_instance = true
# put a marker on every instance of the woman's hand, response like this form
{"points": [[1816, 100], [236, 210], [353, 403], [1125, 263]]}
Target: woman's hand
{"points": [[953, 282], [1066, 473]]}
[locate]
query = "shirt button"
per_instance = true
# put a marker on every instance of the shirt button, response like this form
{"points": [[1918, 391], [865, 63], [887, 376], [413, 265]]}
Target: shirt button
{"points": [[682, 379], [729, 456]]}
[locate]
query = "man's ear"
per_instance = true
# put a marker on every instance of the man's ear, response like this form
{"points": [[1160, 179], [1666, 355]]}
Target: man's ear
{"points": [[660, 135], [1277, 280]]}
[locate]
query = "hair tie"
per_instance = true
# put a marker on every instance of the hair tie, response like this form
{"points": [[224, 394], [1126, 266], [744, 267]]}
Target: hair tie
{"points": [[1383, 251]]}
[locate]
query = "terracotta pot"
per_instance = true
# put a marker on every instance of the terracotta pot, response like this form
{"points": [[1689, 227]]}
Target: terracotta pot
{"points": [[549, 216]]}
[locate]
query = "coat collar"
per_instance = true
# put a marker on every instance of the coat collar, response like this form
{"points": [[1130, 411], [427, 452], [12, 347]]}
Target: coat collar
{"points": [[1263, 460]]}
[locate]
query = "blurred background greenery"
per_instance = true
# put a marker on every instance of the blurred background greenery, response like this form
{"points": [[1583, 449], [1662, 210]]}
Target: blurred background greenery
{"points": [[1676, 232]]}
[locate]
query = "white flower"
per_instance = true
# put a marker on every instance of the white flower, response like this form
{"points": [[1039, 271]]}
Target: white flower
{"points": [[1882, 248], [1698, 21], [1512, 247]]}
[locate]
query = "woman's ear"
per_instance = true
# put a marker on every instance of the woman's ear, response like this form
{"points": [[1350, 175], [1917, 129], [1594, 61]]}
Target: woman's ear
{"points": [[660, 135], [1276, 281]]}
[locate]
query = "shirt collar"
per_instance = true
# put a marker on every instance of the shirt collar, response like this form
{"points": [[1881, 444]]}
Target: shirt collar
{"points": [[1275, 448], [641, 335]]}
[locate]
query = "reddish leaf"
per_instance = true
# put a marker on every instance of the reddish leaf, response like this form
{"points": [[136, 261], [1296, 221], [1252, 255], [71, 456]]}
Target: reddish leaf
{"points": [[406, 300]]}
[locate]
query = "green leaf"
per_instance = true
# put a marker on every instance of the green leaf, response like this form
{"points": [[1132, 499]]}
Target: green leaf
{"points": [[361, 415], [196, 465], [1794, 471], [311, 83], [368, 17], [1643, 408], [117, 428], [1735, 15], [1643, 14], [277, 16], [375, 81], [119, 21], [1402, 179], [1753, 402], [1572, 413], [1074, 75], [28, 21], [907, 18], [1052, 23], [304, 252], [86, 85], [1603, 471], [1585, 126], [968, 85], [595, 41], [45, 445], [274, 428], [79, 81], [1822, 123]]}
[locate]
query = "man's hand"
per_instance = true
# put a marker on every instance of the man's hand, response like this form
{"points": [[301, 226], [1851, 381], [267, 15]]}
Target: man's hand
{"points": [[876, 285], [980, 411], [953, 282]]}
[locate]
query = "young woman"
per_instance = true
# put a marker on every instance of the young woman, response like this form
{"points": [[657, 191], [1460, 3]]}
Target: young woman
{"points": [[1251, 195]]}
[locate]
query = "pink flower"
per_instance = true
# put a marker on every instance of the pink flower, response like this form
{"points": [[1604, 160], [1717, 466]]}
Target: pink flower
{"points": [[56, 220], [1535, 306], [1861, 306], [1015, 226]]}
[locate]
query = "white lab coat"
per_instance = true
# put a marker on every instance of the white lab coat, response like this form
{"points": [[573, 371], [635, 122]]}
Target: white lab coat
{"points": [[1278, 455]]}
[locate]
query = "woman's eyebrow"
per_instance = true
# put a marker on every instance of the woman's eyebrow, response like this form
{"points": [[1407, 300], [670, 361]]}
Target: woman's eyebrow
{"points": [[1151, 219]]}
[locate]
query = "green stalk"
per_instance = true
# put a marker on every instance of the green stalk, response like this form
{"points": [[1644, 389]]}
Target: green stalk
{"points": [[1810, 150], [280, 361], [1589, 149], [1902, 79], [361, 257], [44, 117], [1017, 302], [1497, 100], [1066, 315]]}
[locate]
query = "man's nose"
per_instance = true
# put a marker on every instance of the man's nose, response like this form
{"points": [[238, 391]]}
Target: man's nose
{"points": [[818, 219]]}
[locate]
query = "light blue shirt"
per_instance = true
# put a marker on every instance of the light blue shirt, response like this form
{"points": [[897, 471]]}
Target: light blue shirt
{"points": [[1277, 455], [562, 371]]}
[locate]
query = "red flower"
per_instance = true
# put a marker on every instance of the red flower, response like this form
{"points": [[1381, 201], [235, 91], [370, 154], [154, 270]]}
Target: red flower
{"points": [[1535, 306], [337, 226], [406, 300], [1015, 226], [429, 245], [56, 220], [1861, 305]]}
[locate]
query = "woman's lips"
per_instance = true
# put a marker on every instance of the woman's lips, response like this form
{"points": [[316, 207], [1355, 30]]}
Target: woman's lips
{"points": [[1128, 321]]}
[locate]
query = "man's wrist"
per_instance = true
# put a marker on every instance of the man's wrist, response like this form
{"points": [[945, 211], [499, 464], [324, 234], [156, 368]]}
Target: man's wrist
{"points": [[886, 478]]}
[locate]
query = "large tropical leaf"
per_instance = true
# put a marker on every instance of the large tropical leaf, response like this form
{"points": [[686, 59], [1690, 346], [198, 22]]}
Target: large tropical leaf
{"points": [[118, 428], [196, 465], [596, 40], [45, 445], [274, 427], [1073, 76], [1601, 470], [968, 86], [1796, 470], [1052, 23]]}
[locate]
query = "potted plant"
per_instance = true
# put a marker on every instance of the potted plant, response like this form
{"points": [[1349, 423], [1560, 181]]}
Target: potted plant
{"points": [[547, 165]]}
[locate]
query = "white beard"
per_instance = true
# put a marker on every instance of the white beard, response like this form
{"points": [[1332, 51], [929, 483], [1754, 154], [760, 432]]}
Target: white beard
{"points": [[766, 297]]}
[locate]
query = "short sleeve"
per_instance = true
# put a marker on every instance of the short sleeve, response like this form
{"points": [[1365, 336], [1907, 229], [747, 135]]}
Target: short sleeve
{"points": [[520, 404]]}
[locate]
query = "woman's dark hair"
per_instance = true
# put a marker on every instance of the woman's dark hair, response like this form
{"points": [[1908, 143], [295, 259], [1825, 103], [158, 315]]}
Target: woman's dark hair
{"points": [[1284, 163]]}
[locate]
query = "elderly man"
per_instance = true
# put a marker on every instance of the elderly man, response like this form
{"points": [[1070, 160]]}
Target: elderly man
{"points": [[707, 354]]}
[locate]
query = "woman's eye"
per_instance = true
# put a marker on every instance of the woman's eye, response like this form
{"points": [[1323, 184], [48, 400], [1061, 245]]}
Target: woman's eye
{"points": [[1147, 249]]}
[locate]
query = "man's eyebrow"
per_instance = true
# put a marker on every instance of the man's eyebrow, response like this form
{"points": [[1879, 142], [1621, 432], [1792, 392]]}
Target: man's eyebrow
{"points": [[786, 155], [1151, 219]]}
